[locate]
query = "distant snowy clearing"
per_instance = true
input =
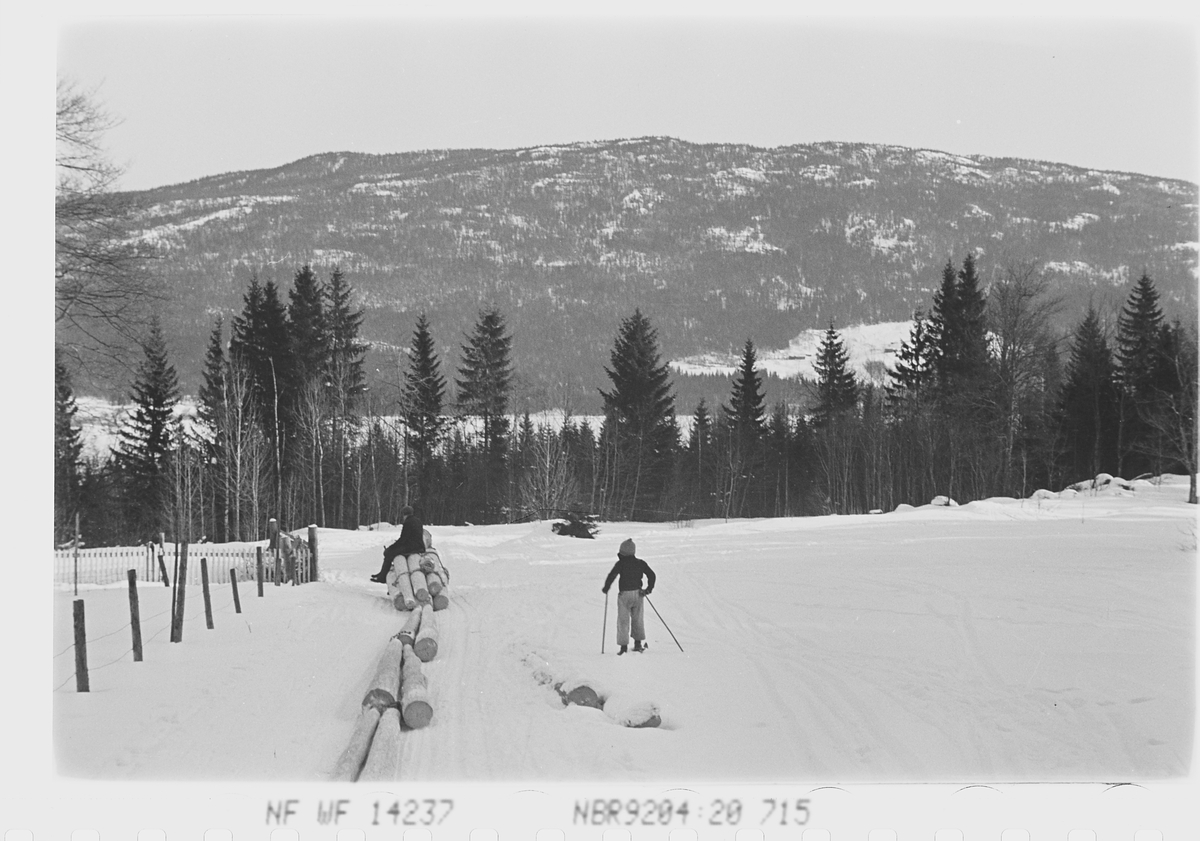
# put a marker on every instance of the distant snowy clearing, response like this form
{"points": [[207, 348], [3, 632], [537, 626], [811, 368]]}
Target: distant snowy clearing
{"points": [[1001, 640], [864, 343]]}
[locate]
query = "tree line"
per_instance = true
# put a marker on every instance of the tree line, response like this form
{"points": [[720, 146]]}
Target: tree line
{"points": [[977, 405]]}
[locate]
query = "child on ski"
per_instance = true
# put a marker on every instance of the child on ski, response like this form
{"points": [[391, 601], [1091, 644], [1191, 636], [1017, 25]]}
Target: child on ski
{"points": [[630, 568], [411, 541]]}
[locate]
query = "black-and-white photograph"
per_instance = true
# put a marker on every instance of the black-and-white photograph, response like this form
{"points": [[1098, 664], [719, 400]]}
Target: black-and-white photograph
{"points": [[624, 398]]}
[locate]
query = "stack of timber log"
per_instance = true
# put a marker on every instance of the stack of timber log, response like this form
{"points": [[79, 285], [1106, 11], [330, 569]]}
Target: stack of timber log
{"points": [[426, 642], [436, 578], [382, 695], [397, 699]]}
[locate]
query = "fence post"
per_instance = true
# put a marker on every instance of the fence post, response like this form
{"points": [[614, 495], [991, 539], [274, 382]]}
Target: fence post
{"points": [[237, 603], [135, 617], [313, 569], [204, 586], [81, 671], [273, 544], [181, 591], [75, 541], [162, 566], [258, 563], [174, 589]]}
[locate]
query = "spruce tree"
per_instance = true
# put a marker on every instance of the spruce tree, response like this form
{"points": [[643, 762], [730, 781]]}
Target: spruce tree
{"points": [[260, 341], [485, 378], [1169, 410], [972, 308], [260, 345], [423, 393], [146, 439], [212, 413], [745, 410], [942, 318], [308, 332], [345, 349], [837, 389], [1087, 406], [639, 425], [959, 328], [1138, 355], [68, 449], [1139, 338], [210, 407], [347, 382], [914, 372]]}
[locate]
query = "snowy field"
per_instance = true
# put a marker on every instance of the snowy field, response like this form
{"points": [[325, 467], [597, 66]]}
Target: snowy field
{"points": [[1003, 640], [864, 344]]}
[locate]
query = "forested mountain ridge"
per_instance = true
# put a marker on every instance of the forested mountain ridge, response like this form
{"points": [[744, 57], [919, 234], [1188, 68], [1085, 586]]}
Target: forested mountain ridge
{"points": [[715, 243]]}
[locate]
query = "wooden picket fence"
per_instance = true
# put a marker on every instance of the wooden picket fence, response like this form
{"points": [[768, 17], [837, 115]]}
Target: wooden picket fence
{"points": [[110, 564], [106, 565]]}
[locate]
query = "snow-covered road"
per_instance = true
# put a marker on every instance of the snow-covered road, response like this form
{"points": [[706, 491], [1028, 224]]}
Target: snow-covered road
{"points": [[1004, 640]]}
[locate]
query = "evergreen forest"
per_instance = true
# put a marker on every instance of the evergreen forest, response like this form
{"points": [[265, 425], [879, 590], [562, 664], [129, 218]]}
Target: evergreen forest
{"points": [[986, 399]]}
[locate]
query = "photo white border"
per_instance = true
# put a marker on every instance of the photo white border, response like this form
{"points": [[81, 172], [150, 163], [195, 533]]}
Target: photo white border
{"points": [[35, 800]]}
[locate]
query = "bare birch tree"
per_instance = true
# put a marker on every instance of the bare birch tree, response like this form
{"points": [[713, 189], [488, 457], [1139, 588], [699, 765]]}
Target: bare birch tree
{"points": [[102, 287]]}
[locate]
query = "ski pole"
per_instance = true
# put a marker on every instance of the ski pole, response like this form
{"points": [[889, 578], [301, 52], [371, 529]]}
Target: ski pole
{"points": [[660, 619], [604, 631]]}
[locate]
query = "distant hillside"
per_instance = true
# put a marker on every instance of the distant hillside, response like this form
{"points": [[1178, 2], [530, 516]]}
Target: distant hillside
{"points": [[716, 243]]}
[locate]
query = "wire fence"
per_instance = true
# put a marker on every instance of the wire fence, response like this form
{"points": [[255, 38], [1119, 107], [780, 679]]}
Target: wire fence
{"points": [[194, 621], [290, 561], [109, 565]]}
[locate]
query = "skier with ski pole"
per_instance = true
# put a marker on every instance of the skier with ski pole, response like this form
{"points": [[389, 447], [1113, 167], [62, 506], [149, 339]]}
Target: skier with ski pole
{"points": [[630, 594]]}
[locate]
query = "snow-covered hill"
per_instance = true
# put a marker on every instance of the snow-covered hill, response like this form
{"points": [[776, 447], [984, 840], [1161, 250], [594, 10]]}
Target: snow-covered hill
{"points": [[1003, 640], [715, 243]]}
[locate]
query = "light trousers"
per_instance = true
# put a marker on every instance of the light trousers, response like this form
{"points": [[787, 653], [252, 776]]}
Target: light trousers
{"points": [[629, 611]]}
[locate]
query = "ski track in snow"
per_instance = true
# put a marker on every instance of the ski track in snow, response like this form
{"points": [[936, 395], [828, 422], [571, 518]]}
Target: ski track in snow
{"points": [[1002, 640]]}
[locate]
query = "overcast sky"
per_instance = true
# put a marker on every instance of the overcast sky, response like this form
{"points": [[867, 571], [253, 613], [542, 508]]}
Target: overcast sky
{"points": [[202, 95]]}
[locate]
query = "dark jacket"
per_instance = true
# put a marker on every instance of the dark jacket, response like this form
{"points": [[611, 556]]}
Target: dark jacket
{"points": [[631, 569], [411, 540]]}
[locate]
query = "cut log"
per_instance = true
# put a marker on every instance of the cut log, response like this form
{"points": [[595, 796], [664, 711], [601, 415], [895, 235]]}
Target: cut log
{"points": [[433, 580], [581, 695], [630, 712], [441, 601], [400, 588], [430, 561], [383, 759], [426, 643], [385, 685], [419, 587], [355, 754], [415, 708], [410, 663], [408, 634]]}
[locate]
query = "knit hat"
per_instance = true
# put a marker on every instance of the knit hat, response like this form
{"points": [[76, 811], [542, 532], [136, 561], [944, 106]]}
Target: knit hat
{"points": [[405, 511], [627, 548]]}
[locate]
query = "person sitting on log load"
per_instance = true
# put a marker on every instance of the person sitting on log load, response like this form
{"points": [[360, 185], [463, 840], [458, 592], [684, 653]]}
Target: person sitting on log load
{"points": [[410, 542], [630, 568]]}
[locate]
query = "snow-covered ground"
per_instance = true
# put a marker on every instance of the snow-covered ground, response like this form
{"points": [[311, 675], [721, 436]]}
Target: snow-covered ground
{"points": [[1003, 640], [864, 344]]}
